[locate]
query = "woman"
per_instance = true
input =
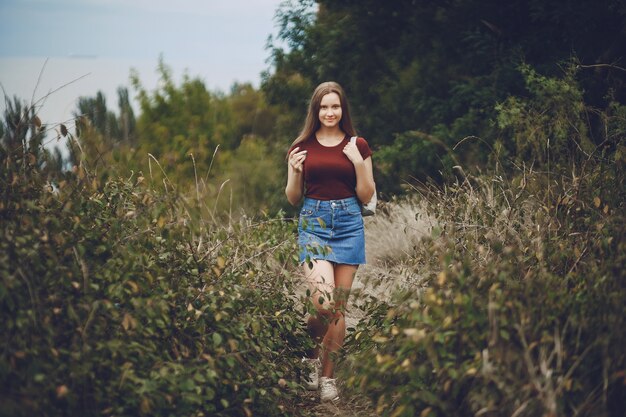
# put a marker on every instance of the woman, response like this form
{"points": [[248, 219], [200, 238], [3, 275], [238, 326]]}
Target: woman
{"points": [[334, 175]]}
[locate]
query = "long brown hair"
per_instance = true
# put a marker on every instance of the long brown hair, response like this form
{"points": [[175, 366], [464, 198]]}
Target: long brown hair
{"points": [[312, 122]]}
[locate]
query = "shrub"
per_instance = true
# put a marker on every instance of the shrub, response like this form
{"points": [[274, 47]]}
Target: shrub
{"points": [[117, 299], [523, 311]]}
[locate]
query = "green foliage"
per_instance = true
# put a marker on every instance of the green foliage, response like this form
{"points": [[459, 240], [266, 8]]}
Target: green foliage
{"points": [[117, 299], [22, 136], [179, 121], [255, 180], [221, 147], [549, 127], [521, 311], [439, 68], [523, 308], [131, 285]]}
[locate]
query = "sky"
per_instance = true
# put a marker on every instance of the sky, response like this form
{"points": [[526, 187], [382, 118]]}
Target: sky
{"points": [[74, 48]]}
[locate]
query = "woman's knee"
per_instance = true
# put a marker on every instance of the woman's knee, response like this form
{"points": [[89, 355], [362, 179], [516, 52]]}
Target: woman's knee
{"points": [[329, 312], [323, 309]]}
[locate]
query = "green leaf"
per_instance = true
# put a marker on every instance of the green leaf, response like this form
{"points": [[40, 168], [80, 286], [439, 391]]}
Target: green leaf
{"points": [[187, 385]]}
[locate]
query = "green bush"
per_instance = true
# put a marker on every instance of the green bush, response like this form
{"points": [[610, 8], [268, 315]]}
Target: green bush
{"points": [[525, 317], [522, 309], [120, 300]]}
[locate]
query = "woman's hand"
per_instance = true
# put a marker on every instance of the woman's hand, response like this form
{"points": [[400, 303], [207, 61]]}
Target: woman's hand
{"points": [[352, 152], [296, 159], [295, 180]]}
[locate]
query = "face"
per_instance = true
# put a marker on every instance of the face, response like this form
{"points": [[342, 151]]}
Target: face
{"points": [[330, 110]]}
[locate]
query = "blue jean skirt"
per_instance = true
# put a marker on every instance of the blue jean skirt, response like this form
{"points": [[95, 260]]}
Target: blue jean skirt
{"points": [[331, 230]]}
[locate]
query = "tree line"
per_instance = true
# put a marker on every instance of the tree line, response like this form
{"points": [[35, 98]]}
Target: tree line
{"points": [[430, 85]]}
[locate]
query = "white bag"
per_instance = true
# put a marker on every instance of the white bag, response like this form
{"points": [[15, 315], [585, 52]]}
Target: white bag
{"points": [[368, 209]]}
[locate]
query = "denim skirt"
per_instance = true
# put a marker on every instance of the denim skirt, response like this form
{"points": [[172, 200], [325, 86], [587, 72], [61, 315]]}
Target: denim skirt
{"points": [[331, 230]]}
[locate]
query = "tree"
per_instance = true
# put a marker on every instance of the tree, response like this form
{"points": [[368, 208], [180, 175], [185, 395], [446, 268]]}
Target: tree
{"points": [[179, 121], [439, 68], [23, 135]]}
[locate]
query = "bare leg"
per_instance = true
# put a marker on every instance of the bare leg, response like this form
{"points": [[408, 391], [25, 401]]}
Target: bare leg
{"points": [[320, 280], [334, 337], [330, 286]]}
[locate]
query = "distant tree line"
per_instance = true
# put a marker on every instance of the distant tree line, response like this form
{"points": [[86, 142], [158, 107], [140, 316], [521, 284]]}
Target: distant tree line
{"points": [[431, 85]]}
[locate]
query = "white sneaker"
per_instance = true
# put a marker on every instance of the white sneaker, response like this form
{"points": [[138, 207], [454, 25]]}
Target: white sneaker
{"points": [[311, 381], [328, 389]]}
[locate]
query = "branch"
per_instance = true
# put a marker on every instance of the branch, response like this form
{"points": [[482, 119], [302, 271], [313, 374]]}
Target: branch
{"points": [[602, 66]]}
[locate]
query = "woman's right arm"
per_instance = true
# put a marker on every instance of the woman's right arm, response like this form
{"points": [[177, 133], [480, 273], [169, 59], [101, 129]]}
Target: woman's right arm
{"points": [[295, 176]]}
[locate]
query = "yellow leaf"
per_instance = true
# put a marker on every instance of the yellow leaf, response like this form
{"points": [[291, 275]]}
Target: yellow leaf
{"points": [[415, 334], [441, 278], [161, 221], [430, 296], [398, 411], [458, 299], [597, 202], [567, 384], [381, 407], [144, 407], [126, 321], [133, 286], [221, 262], [470, 372], [233, 344], [426, 411], [256, 327], [383, 358]]}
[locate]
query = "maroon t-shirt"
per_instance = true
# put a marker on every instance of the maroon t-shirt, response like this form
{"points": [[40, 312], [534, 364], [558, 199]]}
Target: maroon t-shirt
{"points": [[328, 173]]}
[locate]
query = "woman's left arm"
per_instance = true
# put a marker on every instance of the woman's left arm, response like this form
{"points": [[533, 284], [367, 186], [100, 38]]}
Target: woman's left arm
{"points": [[365, 187]]}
